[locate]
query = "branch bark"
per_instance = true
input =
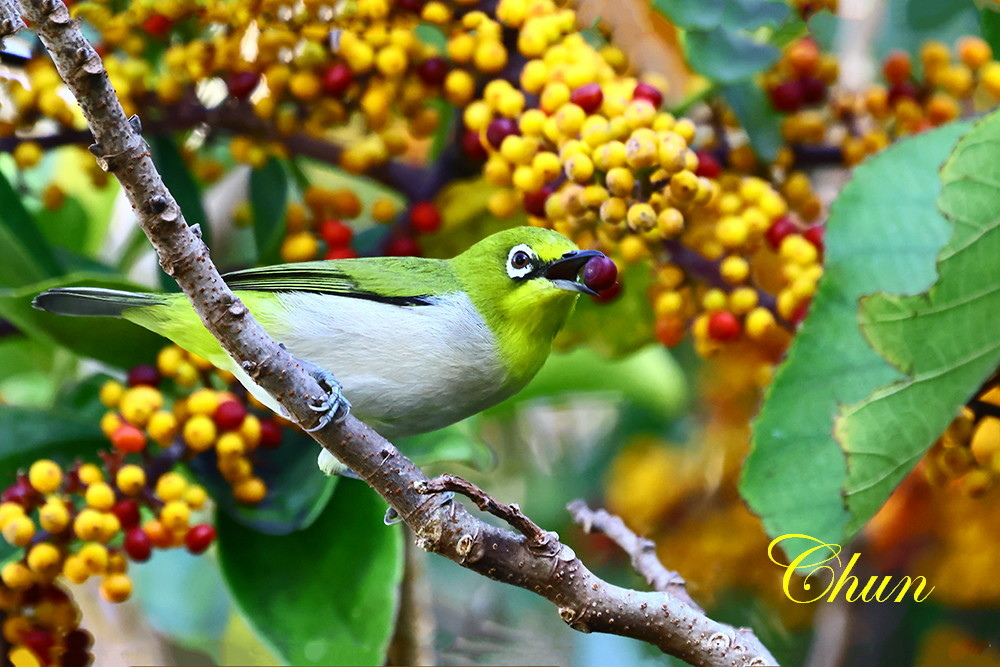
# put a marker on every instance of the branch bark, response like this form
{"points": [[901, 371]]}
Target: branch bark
{"points": [[441, 525]]}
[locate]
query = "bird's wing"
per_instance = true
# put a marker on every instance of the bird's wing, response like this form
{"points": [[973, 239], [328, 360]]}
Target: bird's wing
{"points": [[401, 281]]}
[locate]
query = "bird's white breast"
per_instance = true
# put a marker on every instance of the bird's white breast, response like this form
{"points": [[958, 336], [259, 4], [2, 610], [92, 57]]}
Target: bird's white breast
{"points": [[405, 369]]}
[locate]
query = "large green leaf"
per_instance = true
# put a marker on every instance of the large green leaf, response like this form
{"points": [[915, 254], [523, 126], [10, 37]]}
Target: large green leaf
{"points": [[25, 255], [702, 15], [296, 491], [326, 595], [757, 116], [66, 227], [883, 233], [268, 199], [945, 341], [727, 56], [115, 342], [28, 434]]}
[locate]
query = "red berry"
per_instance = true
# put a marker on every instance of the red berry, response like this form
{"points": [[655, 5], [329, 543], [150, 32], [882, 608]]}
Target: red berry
{"points": [[337, 78], [433, 71], [425, 217], [198, 538], [78, 640], [644, 91], [402, 246], [127, 439], [410, 5], [270, 434], [157, 25], [901, 90], [815, 236], [787, 96], [138, 545], [229, 415], [600, 273], [40, 642], [143, 375], [20, 492], [127, 512], [241, 84], [813, 90], [708, 164], [343, 252], [801, 312], [897, 67], [335, 232], [723, 326], [534, 202], [499, 129], [778, 230], [473, 147], [608, 295], [588, 97]]}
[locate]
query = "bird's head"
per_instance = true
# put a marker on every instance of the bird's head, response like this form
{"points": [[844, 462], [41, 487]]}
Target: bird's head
{"points": [[524, 280]]}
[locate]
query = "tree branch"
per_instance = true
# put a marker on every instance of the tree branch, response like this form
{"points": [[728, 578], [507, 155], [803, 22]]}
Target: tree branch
{"points": [[641, 551], [442, 525]]}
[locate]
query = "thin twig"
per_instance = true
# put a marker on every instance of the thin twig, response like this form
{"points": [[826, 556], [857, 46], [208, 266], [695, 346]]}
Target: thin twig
{"points": [[641, 551], [585, 602]]}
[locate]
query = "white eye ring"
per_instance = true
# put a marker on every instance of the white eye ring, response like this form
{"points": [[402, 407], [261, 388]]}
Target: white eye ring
{"points": [[520, 261]]}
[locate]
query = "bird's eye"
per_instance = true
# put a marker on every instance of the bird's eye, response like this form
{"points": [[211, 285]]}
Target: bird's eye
{"points": [[520, 261]]}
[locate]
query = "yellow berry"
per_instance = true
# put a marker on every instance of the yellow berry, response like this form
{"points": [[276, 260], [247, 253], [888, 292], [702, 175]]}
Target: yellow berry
{"points": [[195, 496], [139, 403], [579, 168], [251, 490], [90, 474], [89, 525], [199, 432], [614, 210], [8, 511], [116, 588], [670, 222], [75, 569], [742, 300], [758, 323], [569, 119], [610, 155], [100, 496], [171, 486], [45, 476], [250, 429], [43, 558], [668, 303], [300, 247], [111, 393], [162, 427], [27, 154], [714, 299], [620, 181], [94, 556], [633, 249], [16, 575], [459, 87], [641, 217], [131, 479], [175, 515], [19, 530]]}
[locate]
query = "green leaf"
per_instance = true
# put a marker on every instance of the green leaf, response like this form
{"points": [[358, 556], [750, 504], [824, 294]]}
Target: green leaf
{"points": [[701, 15], [66, 227], [29, 434], [883, 234], [752, 14], [945, 341], [296, 491], [758, 116], [25, 255], [727, 56], [113, 341], [326, 595], [989, 27], [268, 199], [182, 185]]}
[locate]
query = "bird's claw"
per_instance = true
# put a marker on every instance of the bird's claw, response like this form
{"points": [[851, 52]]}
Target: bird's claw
{"points": [[334, 407]]}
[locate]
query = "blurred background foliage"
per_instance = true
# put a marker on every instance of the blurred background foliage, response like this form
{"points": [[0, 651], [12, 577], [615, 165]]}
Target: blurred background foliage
{"points": [[769, 123]]}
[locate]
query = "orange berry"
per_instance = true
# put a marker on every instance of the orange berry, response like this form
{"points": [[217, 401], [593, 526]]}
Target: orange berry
{"points": [[974, 51], [897, 67]]}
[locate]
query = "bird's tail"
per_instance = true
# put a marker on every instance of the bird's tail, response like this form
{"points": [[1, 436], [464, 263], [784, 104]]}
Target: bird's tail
{"points": [[93, 301]]}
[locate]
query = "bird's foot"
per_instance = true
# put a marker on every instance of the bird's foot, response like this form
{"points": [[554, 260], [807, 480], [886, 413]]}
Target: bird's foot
{"points": [[334, 407]]}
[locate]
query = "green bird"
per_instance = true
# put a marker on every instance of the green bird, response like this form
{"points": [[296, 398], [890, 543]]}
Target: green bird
{"points": [[416, 344]]}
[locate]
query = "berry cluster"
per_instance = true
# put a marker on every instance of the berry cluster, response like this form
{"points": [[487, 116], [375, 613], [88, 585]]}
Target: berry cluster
{"points": [[41, 626], [968, 453]]}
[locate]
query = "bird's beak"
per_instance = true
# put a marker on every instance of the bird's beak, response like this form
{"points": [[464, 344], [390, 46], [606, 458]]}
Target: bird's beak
{"points": [[563, 272]]}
